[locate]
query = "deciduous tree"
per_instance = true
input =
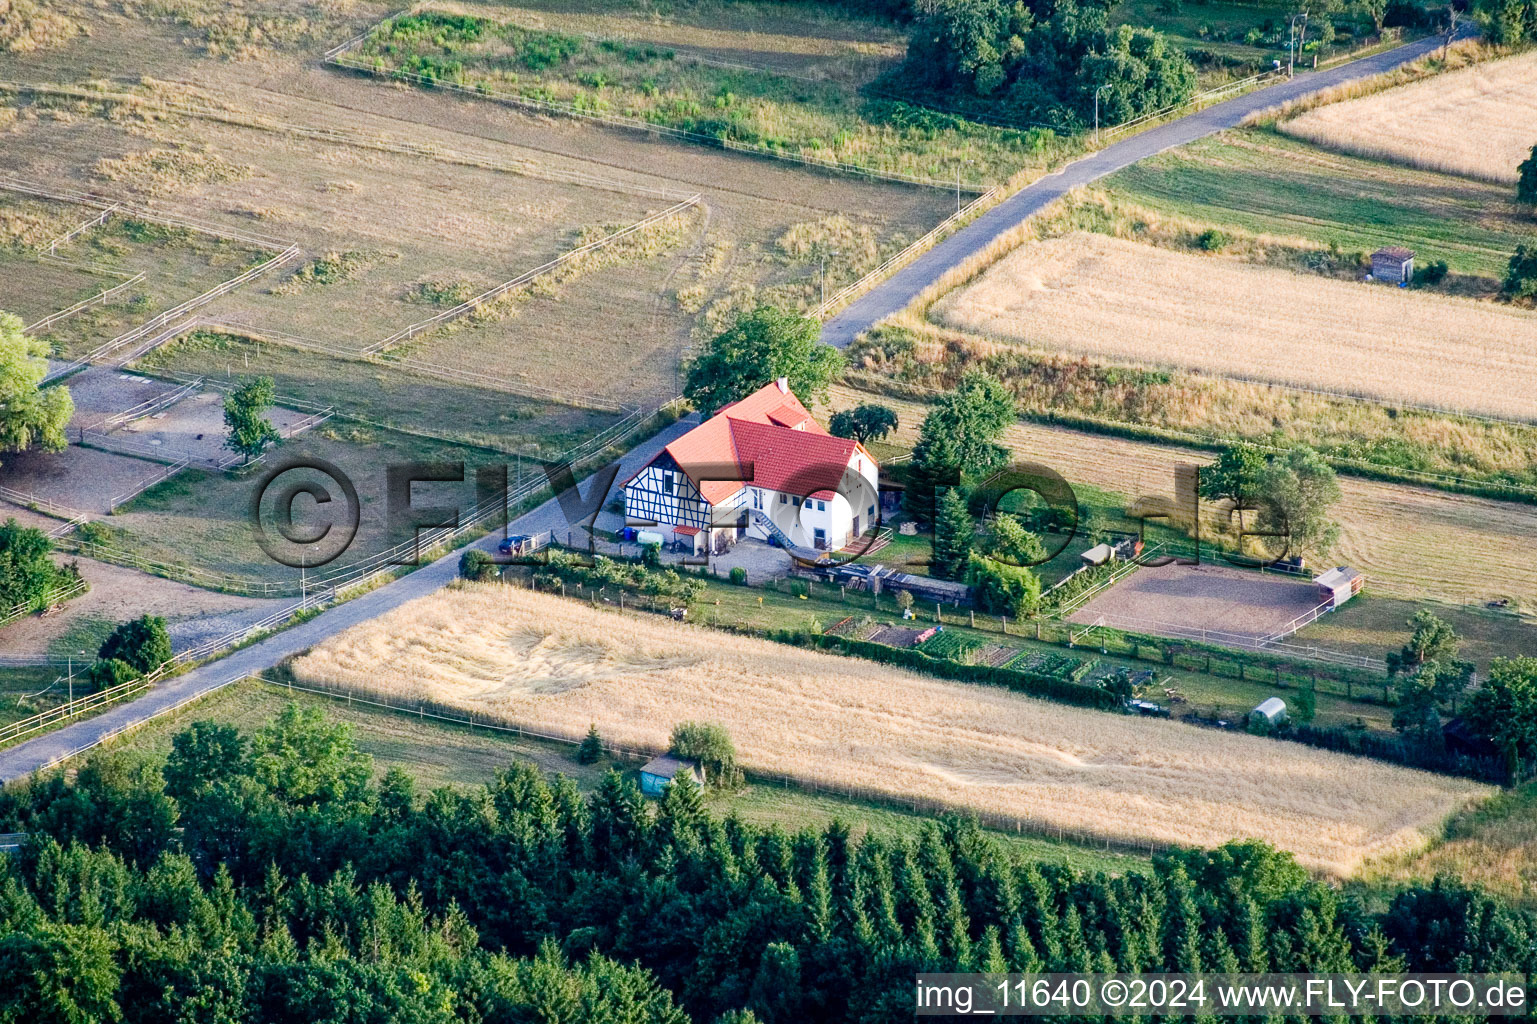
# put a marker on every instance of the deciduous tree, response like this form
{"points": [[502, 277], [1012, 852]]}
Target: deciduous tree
{"points": [[245, 415], [143, 643], [31, 416], [761, 346], [866, 422]]}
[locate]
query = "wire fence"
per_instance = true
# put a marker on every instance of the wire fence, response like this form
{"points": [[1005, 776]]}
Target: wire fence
{"points": [[101, 298], [471, 305], [849, 293]]}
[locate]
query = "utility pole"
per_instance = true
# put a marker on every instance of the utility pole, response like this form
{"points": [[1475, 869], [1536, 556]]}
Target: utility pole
{"points": [[1096, 110], [835, 252], [1293, 44]]}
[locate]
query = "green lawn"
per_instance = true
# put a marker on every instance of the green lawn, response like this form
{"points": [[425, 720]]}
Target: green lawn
{"points": [[17, 684], [1374, 625], [202, 519], [446, 754], [1262, 182]]}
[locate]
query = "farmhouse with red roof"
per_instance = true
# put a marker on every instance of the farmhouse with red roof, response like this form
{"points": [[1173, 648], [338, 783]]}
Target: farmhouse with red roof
{"points": [[762, 468]]}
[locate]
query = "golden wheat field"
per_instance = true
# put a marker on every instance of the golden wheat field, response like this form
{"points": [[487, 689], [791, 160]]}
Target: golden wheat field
{"points": [[1480, 122], [1106, 297], [556, 665]]}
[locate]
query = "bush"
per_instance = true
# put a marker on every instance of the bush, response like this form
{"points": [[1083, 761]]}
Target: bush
{"points": [[1212, 240], [109, 672], [710, 746], [27, 573], [1431, 273], [143, 643], [739, 576], [1003, 589], [651, 555], [476, 565]]}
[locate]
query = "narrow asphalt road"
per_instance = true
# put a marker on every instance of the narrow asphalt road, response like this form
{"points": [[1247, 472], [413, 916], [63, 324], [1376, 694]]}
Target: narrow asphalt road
{"points": [[25, 758], [897, 291]]}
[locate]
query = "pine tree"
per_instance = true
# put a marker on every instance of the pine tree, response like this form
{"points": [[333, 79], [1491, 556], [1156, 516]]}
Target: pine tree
{"points": [[591, 750], [682, 808], [935, 466], [953, 532], [619, 822]]}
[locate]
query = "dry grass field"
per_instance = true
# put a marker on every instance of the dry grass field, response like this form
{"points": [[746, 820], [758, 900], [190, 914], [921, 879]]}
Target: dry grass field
{"points": [[1480, 121], [482, 195], [1109, 298], [558, 665], [1410, 542]]}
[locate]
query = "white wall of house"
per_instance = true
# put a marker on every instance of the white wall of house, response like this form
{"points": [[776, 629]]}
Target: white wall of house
{"points": [[841, 516]]}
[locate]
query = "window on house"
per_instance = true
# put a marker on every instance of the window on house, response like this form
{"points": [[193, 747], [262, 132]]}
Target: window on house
{"points": [[821, 506], [797, 503], [667, 482], [782, 499]]}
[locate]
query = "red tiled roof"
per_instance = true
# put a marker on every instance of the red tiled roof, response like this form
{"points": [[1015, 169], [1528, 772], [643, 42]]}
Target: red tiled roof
{"points": [[794, 461], [687, 531], [771, 431]]}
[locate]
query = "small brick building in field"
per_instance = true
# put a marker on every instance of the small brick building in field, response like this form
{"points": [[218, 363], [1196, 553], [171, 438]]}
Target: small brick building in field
{"points": [[1393, 264]]}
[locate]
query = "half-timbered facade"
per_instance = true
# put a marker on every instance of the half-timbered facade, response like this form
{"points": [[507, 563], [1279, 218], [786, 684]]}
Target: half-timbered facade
{"points": [[761, 467]]}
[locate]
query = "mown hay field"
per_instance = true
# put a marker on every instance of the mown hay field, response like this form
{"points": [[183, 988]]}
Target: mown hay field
{"points": [[558, 665], [1480, 122], [1109, 298]]}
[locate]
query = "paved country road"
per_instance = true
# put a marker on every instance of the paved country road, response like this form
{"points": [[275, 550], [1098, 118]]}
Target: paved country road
{"points": [[25, 758], [897, 291]]}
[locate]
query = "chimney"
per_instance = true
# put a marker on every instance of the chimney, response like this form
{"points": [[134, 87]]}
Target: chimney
{"points": [[784, 385]]}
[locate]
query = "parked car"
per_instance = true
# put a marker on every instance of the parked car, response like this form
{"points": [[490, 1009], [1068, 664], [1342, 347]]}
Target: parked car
{"points": [[514, 544]]}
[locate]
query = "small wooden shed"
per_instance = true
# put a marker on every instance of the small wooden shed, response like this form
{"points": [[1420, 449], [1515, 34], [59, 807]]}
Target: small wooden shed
{"points": [[1393, 264], [1339, 585], [657, 774]]}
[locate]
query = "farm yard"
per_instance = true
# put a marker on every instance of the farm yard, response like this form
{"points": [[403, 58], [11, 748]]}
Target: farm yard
{"points": [[1108, 298], [1479, 121], [1411, 542], [557, 665], [404, 204]]}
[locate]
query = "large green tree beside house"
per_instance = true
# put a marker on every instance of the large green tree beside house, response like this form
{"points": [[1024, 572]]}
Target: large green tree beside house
{"points": [[761, 346]]}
